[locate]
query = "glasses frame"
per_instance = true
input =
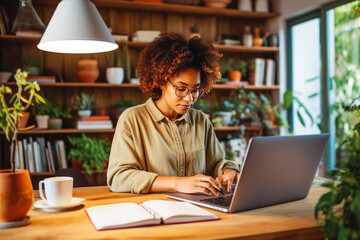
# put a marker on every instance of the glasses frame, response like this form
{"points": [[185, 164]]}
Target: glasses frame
{"points": [[201, 90]]}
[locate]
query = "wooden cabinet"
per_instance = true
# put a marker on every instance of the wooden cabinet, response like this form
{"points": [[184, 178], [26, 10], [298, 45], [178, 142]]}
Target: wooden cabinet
{"points": [[126, 17]]}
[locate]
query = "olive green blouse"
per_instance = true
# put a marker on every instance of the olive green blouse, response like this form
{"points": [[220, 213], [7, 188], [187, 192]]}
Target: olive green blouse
{"points": [[147, 144]]}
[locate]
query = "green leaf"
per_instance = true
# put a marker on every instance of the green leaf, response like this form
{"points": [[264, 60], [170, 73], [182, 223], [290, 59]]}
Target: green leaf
{"points": [[287, 99], [313, 95], [300, 118]]}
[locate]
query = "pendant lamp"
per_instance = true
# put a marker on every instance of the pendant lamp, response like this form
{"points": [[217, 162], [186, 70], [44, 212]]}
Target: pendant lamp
{"points": [[77, 27]]}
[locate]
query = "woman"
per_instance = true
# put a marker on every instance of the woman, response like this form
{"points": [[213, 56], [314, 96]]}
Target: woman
{"points": [[163, 145]]}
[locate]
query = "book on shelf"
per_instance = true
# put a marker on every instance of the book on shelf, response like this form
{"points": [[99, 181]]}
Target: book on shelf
{"points": [[95, 118], [2, 24], [37, 159], [270, 72], [152, 212], [61, 153], [44, 162], [83, 125], [41, 79]]}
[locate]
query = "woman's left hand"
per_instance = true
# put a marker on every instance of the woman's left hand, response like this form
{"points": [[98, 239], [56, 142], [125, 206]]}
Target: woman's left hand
{"points": [[229, 177]]}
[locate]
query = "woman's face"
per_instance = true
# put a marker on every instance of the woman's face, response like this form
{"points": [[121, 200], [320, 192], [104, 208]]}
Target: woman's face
{"points": [[171, 102]]}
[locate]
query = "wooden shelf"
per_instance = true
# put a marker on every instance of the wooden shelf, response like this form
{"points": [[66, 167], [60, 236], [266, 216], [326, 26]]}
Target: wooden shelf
{"points": [[173, 8], [222, 48], [63, 131], [129, 85]]}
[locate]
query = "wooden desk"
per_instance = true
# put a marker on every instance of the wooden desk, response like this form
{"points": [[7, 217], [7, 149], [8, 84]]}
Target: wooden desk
{"points": [[294, 220]]}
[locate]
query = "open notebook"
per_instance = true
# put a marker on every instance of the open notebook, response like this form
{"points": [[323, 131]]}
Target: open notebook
{"points": [[152, 212]]}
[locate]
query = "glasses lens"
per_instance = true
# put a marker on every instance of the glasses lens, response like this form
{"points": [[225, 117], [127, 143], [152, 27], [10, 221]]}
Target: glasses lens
{"points": [[197, 92], [181, 91]]}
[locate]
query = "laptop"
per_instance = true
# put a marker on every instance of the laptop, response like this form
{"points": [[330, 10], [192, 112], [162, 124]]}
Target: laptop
{"points": [[276, 170]]}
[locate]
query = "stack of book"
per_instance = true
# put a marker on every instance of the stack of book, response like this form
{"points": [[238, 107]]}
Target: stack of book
{"points": [[94, 122], [41, 79], [38, 155]]}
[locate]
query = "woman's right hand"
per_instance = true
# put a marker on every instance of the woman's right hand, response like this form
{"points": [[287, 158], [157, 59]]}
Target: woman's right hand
{"points": [[197, 184]]}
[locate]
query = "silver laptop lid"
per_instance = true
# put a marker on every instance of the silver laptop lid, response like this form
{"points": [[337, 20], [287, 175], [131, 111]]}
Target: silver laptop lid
{"points": [[277, 170]]}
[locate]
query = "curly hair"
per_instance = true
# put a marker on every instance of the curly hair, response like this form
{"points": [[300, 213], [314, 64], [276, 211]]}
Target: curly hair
{"points": [[172, 53]]}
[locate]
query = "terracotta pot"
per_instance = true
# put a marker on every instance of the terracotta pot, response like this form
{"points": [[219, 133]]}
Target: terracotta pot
{"points": [[191, 35], [16, 194], [24, 120], [234, 76], [88, 70]]}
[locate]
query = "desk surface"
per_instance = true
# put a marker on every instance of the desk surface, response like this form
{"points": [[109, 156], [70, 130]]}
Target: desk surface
{"points": [[294, 220]]}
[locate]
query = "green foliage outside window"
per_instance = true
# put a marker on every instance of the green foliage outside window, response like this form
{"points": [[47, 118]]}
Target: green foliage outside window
{"points": [[339, 209]]}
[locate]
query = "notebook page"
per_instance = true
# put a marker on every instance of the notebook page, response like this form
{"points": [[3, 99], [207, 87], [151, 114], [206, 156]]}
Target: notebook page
{"points": [[120, 215], [182, 211]]}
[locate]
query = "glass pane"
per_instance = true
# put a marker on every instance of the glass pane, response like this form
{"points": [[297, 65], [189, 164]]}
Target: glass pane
{"points": [[343, 34], [306, 65]]}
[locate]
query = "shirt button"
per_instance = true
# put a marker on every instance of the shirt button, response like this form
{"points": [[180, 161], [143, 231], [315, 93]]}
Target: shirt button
{"points": [[178, 140]]}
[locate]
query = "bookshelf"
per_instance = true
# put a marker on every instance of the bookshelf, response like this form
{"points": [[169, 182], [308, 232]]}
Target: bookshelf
{"points": [[126, 17]]}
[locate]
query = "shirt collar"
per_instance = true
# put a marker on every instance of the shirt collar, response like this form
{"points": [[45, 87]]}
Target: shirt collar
{"points": [[158, 115]]}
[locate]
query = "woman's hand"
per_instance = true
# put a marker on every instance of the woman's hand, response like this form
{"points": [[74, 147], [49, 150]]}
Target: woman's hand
{"points": [[198, 184], [229, 177]]}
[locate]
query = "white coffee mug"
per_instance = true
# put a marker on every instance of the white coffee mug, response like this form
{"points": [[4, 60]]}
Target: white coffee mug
{"points": [[58, 190]]}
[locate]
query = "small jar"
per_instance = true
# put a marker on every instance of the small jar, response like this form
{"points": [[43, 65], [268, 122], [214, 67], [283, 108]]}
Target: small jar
{"points": [[247, 37]]}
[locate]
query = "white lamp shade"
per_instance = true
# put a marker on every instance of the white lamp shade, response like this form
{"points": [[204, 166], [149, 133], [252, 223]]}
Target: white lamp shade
{"points": [[77, 27]]}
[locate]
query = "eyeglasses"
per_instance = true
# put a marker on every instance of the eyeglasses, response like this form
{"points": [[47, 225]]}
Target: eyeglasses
{"points": [[183, 91]]}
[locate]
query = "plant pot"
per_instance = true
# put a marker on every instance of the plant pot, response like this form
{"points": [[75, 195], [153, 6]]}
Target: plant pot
{"points": [[16, 194], [225, 117], [42, 121], [55, 123], [87, 70], [84, 113], [191, 35], [24, 120], [234, 76], [115, 75]]}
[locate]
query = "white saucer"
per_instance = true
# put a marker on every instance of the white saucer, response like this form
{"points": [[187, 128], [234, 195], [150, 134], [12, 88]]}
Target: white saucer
{"points": [[43, 205]]}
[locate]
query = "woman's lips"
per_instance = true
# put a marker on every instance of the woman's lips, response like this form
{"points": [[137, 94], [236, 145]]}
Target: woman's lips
{"points": [[185, 107]]}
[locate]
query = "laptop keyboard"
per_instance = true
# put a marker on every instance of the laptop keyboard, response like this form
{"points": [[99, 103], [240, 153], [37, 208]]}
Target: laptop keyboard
{"points": [[221, 200]]}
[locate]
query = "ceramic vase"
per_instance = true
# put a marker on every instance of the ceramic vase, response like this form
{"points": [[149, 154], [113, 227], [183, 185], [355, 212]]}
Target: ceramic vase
{"points": [[42, 121], [88, 70], [16, 194], [84, 113], [55, 123], [245, 5], [115, 75], [261, 6]]}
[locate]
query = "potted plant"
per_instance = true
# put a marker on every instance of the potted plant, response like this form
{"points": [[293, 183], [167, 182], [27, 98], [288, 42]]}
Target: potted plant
{"points": [[339, 209], [201, 105], [83, 103], [234, 69], [118, 64], [31, 64], [90, 153], [41, 112], [223, 113], [194, 31], [121, 105], [57, 114], [15, 185]]}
